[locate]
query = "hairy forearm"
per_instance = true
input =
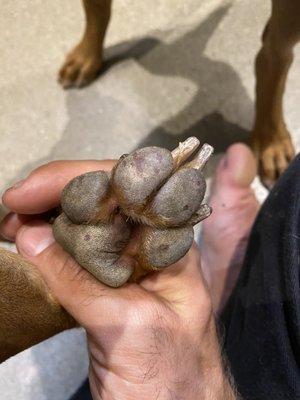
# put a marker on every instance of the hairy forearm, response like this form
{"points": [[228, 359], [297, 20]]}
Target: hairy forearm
{"points": [[174, 381]]}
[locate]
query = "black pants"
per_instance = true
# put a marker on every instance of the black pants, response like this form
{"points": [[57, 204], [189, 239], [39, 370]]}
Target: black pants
{"points": [[262, 319]]}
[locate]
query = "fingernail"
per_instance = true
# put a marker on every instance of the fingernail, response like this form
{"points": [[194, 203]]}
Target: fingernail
{"points": [[268, 184], [34, 239], [16, 185]]}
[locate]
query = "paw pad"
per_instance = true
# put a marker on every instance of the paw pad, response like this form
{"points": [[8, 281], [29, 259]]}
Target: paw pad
{"points": [[138, 218]]}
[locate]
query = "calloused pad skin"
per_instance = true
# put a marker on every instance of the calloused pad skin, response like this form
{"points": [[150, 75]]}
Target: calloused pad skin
{"points": [[138, 218]]}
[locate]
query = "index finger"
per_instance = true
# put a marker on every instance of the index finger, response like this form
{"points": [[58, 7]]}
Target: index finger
{"points": [[41, 190]]}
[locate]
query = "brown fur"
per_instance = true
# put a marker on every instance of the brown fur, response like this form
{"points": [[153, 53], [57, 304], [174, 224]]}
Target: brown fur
{"points": [[270, 137], [29, 313], [84, 62]]}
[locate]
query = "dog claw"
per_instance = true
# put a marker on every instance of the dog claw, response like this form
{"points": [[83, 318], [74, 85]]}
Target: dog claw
{"points": [[184, 150], [201, 158], [204, 212]]}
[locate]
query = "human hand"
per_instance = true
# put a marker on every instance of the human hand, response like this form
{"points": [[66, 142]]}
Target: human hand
{"points": [[155, 339]]}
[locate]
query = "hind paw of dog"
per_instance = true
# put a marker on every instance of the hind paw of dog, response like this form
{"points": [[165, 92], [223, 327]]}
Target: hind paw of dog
{"points": [[138, 218], [82, 66]]}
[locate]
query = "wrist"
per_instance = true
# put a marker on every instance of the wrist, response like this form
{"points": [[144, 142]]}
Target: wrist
{"points": [[197, 382], [217, 388]]}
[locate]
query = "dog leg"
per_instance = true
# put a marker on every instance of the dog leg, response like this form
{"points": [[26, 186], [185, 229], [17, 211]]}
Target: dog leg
{"points": [[270, 138], [84, 62], [29, 313]]}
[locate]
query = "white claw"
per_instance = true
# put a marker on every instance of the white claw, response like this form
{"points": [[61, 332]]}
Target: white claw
{"points": [[204, 211], [201, 157], [185, 150]]}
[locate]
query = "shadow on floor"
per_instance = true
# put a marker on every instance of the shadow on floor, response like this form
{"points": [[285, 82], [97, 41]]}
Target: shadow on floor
{"points": [[219, 88], [217, 112]]}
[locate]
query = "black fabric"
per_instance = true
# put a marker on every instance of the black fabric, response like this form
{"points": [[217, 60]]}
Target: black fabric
{"points": [[83, 393], [262, 318]]}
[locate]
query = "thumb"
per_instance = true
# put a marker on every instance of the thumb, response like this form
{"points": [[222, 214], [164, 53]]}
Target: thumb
{"points": [[75, 289]]}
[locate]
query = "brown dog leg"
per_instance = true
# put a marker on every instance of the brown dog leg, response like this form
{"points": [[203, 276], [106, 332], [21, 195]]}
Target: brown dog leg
{"points": [[29, 314], [84, 62], [270, 138]]}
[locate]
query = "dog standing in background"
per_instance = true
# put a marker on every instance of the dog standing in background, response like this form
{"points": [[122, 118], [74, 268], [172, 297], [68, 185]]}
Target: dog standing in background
{"points": [[269, 138]]}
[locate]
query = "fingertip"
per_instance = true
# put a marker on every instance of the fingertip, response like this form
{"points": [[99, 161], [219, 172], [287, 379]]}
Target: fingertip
{"points": [[10, 225], [12, 198], [41, 190]]}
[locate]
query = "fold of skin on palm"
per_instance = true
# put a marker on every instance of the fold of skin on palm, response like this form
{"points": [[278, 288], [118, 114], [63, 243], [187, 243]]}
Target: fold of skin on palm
{"points": [[29, 313]]}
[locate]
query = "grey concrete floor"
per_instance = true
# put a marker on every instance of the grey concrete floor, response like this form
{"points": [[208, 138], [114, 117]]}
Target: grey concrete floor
{"points": [[177, 68]]}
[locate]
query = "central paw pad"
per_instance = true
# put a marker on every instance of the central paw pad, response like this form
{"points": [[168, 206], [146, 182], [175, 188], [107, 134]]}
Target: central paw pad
{"points": [[138, 218]]}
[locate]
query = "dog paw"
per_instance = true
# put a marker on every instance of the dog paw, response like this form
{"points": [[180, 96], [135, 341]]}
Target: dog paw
{"points": [[82, 65], [273, 154], [138, 218]]}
